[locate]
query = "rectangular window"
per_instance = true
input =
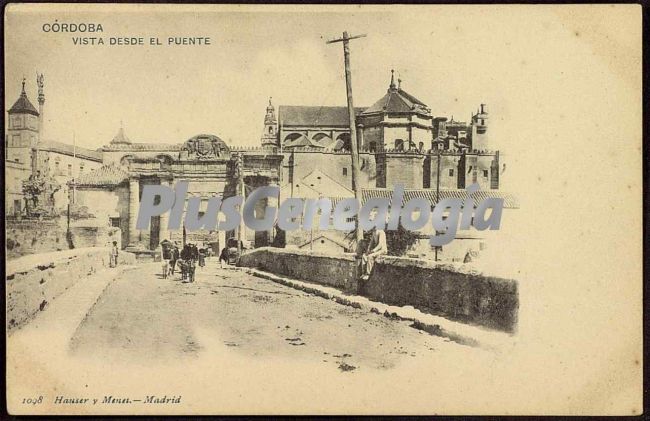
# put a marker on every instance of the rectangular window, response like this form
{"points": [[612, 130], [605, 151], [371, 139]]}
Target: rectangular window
{"points": [[70, 169], [345, 171], [115, 222], [485, 173], [451, 172]]}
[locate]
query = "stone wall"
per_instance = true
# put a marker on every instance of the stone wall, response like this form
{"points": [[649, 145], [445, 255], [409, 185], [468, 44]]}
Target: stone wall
{"points": [[89, 236], [28, 237], [447, 290], [104, 204], [33, 282], [25, 237], [327, 269]]}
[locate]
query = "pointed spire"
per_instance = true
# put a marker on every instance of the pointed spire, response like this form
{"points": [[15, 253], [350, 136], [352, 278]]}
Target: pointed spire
{"points": [[269, 137], [121, 137], [392, 79], [23, 105]]}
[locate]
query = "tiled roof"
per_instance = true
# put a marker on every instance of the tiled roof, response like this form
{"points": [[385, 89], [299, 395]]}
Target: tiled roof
{"points": [[106, 175], [67, 149], [22, 105], [509, 200], [291, 115], [328, 237], [397, 101]]}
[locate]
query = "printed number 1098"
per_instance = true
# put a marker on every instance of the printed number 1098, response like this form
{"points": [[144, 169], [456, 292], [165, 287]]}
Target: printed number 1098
{"points": [[33, 401]]}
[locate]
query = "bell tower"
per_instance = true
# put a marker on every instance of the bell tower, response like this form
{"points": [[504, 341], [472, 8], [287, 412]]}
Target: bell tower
{"points": [[270, 136], [479, 129], [23, 130]]}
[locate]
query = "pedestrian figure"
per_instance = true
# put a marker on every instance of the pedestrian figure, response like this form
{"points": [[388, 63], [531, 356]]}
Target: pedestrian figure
{"points": [[223, 257], [189, 255], [113, 255], [201, 257], [174, 258], [165, 268], [166, 256]]}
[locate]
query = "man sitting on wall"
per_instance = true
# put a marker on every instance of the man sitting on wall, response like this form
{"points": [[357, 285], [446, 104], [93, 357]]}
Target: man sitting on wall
{"points": [[376, 247]]}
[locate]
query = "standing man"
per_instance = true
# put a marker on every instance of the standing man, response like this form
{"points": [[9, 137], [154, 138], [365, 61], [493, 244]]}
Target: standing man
{"points": [[174, 257], [114, 253]]}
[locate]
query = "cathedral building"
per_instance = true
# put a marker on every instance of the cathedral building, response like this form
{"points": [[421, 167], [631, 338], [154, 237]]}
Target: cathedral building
{"points": [[305, 150], [400, 142]]}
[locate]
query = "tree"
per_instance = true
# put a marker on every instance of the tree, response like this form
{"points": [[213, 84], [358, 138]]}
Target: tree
{"points": [[400, 240]]}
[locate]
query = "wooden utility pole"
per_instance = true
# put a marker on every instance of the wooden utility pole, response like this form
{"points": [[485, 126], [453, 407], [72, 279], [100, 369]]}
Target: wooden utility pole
{"points": [[437, 192], [242, 191], [352, 117]]}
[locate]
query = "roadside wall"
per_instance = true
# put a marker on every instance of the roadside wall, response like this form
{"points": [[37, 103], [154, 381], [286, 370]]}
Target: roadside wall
{"points": [[28, 237], [33, 282], [25, 237], [326, 269], [447, 290]]}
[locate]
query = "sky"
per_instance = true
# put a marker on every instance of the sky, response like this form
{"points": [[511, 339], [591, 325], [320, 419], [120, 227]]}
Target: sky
{"points": [[168, 94]]}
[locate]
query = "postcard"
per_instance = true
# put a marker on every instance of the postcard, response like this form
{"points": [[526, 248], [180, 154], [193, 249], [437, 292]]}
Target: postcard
{"points": [[323, 209]]}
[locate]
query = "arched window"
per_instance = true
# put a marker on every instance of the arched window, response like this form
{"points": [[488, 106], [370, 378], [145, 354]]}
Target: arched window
{"points": [[292, 137], [399, 144], [343, 142], [372, 146]]}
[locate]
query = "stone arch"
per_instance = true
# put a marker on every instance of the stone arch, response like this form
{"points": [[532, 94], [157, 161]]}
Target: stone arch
{"points": [[126, 160], [343, 142], [291, 137], [165, 159]]}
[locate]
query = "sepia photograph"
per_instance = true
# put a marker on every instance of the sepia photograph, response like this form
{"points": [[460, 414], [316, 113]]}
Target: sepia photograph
{"points": [[323, 209]]}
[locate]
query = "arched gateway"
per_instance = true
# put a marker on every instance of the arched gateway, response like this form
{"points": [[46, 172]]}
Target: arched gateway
{"points": [[205, 161]]}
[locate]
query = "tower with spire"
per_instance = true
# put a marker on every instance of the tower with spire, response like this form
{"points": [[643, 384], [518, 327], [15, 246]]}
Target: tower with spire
{"points": [[269, 135], [23, 130], [479, 129]]}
